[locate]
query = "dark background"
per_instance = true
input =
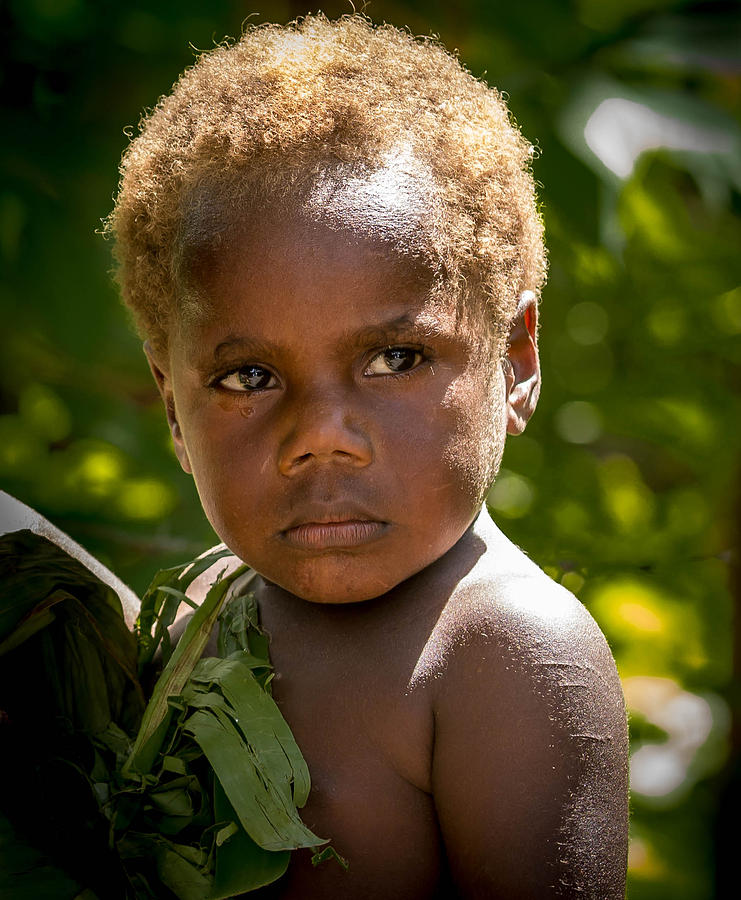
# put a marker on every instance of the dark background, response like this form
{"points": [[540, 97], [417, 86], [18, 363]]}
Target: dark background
{"points": [[625, 486]]}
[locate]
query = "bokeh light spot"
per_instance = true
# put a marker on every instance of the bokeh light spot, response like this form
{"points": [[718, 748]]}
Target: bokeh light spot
{"points": [[593, 266], [666, 323], [627, 500], [145, 499], [657, 770], [687, 418], [570, 517], [97, 470], [619, 130], [661, 768], [726, 311], [572, 581], [578, 422], [639, 616], [629, 606], [44, 412], [587, 323], [643, 860], [20, 448], [512, 495]]}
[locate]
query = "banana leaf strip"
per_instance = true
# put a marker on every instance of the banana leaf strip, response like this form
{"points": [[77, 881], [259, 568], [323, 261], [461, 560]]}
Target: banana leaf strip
{"points": [[241, 865], [260, 721], [176, 673]]}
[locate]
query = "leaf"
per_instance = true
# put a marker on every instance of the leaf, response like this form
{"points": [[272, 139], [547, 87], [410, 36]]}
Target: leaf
{"points": [[180, 874], [223, 834], [174, 764], [241, 865], [261, 806], [264, 727], [87, 629], [178, 866], [32, 567], [173, 679], [26, 874], [38, 618], [255, 774], [180, 595], [158, 611], [173, 802], [329, 853], [240, 628]]}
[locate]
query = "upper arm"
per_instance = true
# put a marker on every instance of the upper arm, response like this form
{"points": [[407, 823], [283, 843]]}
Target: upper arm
{"points": [[530, 757]]}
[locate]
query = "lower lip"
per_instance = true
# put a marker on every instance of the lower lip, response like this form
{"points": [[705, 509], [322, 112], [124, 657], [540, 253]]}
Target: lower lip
{"points": [[334, 535]]}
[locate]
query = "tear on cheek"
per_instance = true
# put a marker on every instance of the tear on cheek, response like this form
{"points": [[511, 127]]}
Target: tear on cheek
{"points": [[235, 402]]}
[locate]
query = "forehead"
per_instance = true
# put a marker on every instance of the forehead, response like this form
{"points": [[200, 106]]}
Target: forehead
{"points": [[371, 228], [396, 204], [292, 280], [284, 255], [392, 206]]}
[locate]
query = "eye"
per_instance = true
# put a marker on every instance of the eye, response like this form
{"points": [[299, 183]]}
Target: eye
{"points": [[393, 360], [248, 378]]}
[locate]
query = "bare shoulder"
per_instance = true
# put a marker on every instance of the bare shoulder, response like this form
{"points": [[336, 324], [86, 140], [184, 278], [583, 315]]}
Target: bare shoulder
{"points": [[507, 617], [520, 619], [531, 738]]}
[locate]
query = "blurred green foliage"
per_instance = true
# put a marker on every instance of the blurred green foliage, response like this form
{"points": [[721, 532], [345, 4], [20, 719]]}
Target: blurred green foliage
{"points": [[625, 486]]}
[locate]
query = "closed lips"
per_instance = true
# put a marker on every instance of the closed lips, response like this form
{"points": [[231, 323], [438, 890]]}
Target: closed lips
{"points": [[342, 533]]}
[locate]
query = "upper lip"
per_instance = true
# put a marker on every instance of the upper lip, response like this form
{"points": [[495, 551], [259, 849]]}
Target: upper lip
{"points": [[326, 513]]}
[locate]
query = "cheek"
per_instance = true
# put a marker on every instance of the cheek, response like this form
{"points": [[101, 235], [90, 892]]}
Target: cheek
{"points": [[476, 442], [222, 457]]}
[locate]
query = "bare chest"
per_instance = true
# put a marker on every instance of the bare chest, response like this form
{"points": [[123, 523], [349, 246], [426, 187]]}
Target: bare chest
{"points": [[367, 739]]}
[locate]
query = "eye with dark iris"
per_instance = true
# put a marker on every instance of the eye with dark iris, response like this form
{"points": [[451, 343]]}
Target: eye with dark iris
{"points": [[248, 378], [393, 360]]}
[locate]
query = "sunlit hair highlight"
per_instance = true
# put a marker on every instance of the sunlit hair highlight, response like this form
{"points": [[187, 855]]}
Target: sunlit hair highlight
{"points": [[267, 114]]}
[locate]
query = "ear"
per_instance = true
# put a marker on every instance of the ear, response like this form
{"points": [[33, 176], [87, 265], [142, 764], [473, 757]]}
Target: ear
{"points": [[160, 371], [522, 365]]}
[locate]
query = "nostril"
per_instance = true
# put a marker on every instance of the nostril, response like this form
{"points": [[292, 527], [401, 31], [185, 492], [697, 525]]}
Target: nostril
{"points": [[302, 459], [335, 454], [324, 436]]}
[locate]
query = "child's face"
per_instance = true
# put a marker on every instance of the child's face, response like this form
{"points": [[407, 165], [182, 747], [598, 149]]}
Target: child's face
{"points": [[340, 428]]}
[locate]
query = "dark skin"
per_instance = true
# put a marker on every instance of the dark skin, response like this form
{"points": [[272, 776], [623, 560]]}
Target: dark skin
{"points": [[460, 713]]}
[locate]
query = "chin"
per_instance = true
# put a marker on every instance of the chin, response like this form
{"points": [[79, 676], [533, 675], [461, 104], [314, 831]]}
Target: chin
{"points": [[332, 584], [329, 594]]}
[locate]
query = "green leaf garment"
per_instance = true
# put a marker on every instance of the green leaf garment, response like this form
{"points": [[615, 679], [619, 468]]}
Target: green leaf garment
{"points": [[116, 781]]}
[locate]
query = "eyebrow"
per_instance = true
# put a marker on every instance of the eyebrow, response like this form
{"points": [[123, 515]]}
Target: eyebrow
{"points": [[243, 344], [402, 327]]}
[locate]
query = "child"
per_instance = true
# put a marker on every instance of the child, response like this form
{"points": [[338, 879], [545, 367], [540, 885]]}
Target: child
{"points": [[328, 236]]}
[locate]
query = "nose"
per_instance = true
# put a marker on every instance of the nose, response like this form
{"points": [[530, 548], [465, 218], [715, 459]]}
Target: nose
{"points": [[324, 428]]}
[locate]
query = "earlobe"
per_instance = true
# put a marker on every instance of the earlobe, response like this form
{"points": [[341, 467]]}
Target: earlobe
{"points": [[160, 372], [521, 364]]}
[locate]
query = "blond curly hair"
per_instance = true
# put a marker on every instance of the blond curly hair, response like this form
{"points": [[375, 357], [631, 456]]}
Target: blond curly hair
{"points": [[272, 107]]}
